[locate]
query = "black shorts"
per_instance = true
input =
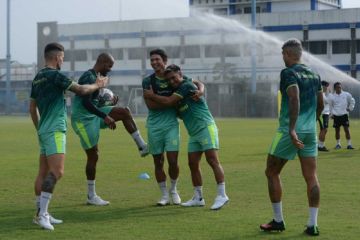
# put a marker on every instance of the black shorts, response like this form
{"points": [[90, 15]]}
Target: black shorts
{"points": [[324, 121], [342, 120]]}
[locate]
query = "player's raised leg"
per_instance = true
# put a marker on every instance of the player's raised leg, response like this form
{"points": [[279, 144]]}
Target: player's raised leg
{"points": [[124, 115]]}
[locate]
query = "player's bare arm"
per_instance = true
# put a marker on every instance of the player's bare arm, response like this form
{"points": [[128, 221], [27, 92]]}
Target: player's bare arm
{"points": [[320, 105], [165, 101], [87, 89], [152, 104], [200, 92], [294, 107], [34, 113]]}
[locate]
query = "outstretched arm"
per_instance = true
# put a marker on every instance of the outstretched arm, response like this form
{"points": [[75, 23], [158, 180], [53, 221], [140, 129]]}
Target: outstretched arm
{"points": [[87, 89]]}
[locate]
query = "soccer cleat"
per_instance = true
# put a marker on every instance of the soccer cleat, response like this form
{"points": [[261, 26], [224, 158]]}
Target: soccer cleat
{"points": [[350, 147], [312, 231], [144, 151], [194, 202], [44, 222], [51, 219], [219, 202], [175, 198], [273, 226], [164, 200], [338, 146], [97, 201], [323, 149]]}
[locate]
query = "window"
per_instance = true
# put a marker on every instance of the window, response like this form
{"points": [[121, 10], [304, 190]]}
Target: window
{"points": [[221, 11], [117, 53], [97, 52], [357, 46], [341, 46], [213, 51], [318, 47], [173, 52], [248, 10], [192, 51], [135, 53], [232, 50]]}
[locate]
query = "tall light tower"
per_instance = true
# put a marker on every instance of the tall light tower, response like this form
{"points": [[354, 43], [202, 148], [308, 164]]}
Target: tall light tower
{"points": [[8, 59], [253, 48]]}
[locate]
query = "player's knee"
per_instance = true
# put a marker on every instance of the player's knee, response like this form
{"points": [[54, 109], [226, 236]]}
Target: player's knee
{"points": [[50, 182], [269, 173]]}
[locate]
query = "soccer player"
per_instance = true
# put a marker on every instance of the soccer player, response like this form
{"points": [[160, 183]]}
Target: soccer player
{"points": [[163, 128], [324, 118], [48, 113], [301, 104], [87, 119], [202, 130], [341, 103]]}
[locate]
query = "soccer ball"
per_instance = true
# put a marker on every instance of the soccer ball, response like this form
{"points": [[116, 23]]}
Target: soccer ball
{"points": [[105, 97]]}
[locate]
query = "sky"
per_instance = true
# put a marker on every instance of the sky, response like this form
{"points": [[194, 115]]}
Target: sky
{"points": [[26, 13]]}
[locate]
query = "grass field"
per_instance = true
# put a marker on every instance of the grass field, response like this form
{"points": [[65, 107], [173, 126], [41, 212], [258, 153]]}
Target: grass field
{"points": [[133, 214]]}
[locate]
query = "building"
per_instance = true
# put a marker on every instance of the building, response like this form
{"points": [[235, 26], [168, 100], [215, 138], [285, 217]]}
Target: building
{"points": [[216, 50], [234, 7]]}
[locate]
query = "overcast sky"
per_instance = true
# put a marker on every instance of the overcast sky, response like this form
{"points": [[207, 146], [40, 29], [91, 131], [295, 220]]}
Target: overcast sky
{"points": [[26, 13]]}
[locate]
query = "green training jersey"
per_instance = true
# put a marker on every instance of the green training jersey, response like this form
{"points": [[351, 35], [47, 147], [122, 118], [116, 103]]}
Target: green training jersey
{"points": [[160, 118], [78, 109], [195, 114], [47, 89], [309, 85]]}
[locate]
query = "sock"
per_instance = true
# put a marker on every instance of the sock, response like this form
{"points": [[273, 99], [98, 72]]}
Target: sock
{"points": [[313, 214], [37, 204], [163, 189], [221, 189], [138, 139], [44, 202], [338, 142], [321, 144], [91, 188], [349, 142], [277, 209], [173, 185], [198, 192]]}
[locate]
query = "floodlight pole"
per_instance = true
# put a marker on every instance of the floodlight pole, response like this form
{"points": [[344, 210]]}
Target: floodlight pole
{"points": [[253, 48], [8, 59]]}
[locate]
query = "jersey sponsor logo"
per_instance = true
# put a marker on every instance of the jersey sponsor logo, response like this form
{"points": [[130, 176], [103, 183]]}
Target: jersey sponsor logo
{"points": [[184, 108], [39, 81]]}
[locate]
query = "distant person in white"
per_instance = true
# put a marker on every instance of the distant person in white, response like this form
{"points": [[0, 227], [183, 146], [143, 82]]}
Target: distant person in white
{"points": [[341, 103], [324, 118]]}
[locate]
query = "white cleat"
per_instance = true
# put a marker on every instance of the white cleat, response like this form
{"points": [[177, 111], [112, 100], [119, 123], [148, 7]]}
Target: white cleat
{"points": [[194, 202], [144, 151], [164, 200], [175, 198], [97, 201], [51, 219], [44, 222], [219, 202]]}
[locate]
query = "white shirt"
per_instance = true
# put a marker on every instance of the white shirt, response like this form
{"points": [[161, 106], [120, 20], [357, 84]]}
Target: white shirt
{"points": [[341, 103], [326, 97]]}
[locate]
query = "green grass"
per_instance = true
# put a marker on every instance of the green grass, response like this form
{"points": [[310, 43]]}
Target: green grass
{"points": [[132, 213]]}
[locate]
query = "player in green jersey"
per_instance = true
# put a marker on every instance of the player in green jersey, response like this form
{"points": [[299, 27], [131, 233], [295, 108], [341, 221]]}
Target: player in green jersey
{"points": [[48, 113], [163, 128], [88, 118], [301, 104], [202, 130]]}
